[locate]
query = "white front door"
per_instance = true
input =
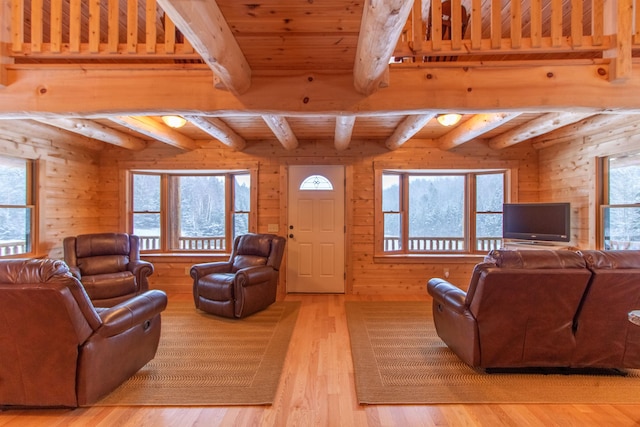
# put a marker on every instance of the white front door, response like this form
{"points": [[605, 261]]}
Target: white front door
{"points": [[315, 247]]}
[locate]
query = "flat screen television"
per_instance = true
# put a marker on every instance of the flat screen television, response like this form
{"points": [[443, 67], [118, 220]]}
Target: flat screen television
{"points": [[549, 222]]}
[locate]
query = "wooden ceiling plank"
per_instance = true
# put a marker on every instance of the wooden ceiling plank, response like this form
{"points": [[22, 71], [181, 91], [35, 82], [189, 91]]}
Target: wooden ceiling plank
{"points": [[544, 124], [94, 130], [406, 129], [281, 129], [203, 24], [219, 130], [472, 128], [153, 129], [584, 127], [380, 30], [344, 129]]}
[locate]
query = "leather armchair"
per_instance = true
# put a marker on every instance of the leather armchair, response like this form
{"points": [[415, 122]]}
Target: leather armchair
{"points": [[244, 284], [108, 265], [56, 348]]}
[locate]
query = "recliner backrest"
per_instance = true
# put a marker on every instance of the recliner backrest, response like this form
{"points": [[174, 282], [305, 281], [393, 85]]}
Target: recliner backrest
{"points": [[45, 311], [102, 253], [604, 334], [524, 303], [257, 250]]}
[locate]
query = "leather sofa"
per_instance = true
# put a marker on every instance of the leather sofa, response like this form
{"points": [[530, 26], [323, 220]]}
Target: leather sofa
{"points": [[108, 265], [56, 349], [543, 308]]}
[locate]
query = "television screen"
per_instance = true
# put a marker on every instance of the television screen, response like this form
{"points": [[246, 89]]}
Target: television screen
{"points": [[536, 221]]}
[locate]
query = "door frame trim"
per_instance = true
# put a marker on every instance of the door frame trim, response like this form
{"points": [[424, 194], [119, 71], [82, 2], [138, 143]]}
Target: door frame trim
{"points": [[348, 219]]}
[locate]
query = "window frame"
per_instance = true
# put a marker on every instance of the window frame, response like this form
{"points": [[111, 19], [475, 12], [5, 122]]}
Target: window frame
{"points": [[168, 200], [470, 211], [603, 195], [32, 203]]}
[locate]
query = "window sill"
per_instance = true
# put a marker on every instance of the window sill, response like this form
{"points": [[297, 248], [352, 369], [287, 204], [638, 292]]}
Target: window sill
{"points": [[429, 259]]}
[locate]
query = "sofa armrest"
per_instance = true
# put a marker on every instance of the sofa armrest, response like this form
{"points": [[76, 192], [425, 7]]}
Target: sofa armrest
{"points": [[140, 266], [132, 312], [200, 270], [254, 275], [447, 293], [75, 271]]}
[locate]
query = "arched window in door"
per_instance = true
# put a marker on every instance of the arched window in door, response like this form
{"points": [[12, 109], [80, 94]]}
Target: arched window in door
{"points": [[316, 182]]}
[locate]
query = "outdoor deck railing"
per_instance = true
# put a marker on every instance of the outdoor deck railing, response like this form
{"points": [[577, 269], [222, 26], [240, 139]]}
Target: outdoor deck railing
{"points": [[14, 247], [213, 243], [441, 244]]}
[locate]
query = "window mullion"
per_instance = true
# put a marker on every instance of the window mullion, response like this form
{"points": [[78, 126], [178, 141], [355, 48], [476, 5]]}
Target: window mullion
{"points": [[404, 212]]}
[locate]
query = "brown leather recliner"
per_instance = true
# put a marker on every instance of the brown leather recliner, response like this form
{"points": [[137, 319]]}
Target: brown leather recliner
{"points": [[108, 265], [604, 335], [56, 349], [519, 309], [244, 284]]}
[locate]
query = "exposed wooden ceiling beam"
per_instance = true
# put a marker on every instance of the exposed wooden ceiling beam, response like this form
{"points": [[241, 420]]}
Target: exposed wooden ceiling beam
{"points": [[203, 24], [472, 128], [535, 127], [380, 29], [36, 132], [281, 129], [219, 130], [405, 130], [159, 131], [344, 129], [596, 123], [94, 130], [131, 91]]}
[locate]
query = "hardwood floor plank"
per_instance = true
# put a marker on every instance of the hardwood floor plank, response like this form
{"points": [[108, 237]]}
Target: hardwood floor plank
{"points": [[318, 388]]}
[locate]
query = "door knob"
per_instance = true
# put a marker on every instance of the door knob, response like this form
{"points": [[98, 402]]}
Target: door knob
{"points": [[291, 236]]}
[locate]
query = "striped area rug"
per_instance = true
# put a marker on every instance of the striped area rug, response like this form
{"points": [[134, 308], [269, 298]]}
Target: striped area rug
{"points": [[399, 359], [204, 360]]}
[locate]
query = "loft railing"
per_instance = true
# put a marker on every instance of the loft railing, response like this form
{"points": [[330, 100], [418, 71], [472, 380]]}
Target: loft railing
{"points": [[126, 29], [441, 244], [581, 28], [91, 29]]}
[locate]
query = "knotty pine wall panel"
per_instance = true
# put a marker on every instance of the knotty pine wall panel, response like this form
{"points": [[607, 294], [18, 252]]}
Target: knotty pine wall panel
{"points": [[367, 275], [568, 174], [69, 189]]}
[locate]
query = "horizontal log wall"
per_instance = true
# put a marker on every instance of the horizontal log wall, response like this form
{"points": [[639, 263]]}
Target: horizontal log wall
{"points": [[365, 276], [568, 174], [69, 186]]}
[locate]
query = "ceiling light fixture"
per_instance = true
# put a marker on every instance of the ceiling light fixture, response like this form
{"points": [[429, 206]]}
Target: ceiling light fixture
{"points": [[174, 121], [449, 119]]}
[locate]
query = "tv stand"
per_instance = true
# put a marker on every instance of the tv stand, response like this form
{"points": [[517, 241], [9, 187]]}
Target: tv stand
{"points": [[523, 245]]}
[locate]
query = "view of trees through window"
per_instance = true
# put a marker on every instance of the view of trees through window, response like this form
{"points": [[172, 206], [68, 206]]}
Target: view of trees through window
{"points": [[15, 209], [621, 216], [199, 210], [438, 209]]}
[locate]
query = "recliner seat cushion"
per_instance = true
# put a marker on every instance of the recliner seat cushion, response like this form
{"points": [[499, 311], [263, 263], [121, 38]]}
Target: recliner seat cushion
{"points": [[103, 264], [244, 261], [217, 287], [111, 285]]}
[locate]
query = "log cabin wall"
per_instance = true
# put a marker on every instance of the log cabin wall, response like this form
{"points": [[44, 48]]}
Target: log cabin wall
{"points": [[68, 170], [568, 173], [365, 276]]}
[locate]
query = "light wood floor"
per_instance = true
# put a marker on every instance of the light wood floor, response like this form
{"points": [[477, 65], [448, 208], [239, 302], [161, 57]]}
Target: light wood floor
{"points": [[317, 389]]}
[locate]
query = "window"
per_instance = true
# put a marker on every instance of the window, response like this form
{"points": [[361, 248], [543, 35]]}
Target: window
{"points": [[17, 208], [426, 212], [176, 211], [620, 207]]}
